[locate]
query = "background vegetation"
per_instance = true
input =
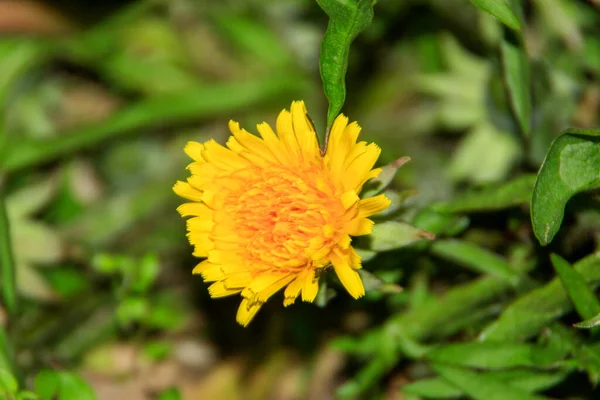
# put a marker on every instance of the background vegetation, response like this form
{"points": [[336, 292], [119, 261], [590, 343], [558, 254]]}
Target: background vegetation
{"points": [[494, 101]]}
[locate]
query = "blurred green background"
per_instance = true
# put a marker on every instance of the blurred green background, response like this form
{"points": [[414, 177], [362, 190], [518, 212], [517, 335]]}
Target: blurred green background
{"points": [[98, 100]]}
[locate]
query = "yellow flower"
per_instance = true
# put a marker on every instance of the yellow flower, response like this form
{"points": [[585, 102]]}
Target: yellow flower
{"points": [[271, 212]]}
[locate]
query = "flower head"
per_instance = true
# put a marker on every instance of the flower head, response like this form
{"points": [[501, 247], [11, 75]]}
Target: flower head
{"points": [[271, 212]]}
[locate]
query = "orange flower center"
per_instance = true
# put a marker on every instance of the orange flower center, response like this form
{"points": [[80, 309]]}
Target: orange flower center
{"points": [[284, 218]]}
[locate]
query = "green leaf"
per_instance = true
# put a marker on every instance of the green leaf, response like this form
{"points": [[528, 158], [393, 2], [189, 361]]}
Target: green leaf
{"points": [[589, 323], [390, 235], [170, 394], [430, 319], [587, 357], [147, 271], [47, 384], [372, 282], [27, 395], [476, 258], [528, 380], [427, 321], [8, 382], [517, 76], [132, 309], [584, 299], [481, 386], [347, 18], [388, 172], [72, 387], [433, 388], [535, 310], [30, 199], [572, 165], [501, 10], [485, 155], [255, 37], [510, 194], [495, 355], [440, 223]]}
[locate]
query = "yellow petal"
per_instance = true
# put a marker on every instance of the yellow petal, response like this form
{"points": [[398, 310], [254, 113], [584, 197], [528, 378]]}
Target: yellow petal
{"points": [[195, 209], [194, 150], [250, 147], [237, 280], [247, 311], [356, 172], [201, 267], [285, 131], [269, 291], [218, 289], [222, 157], [304, 130], [186, 191], [359, 226], [201, 242], [260, 283], [354, 259], [276, 146], [224, 257], [349, 199], [199, 224], [213, 274], [348, 276], [310, 287], [294, 288], [373, 205]]}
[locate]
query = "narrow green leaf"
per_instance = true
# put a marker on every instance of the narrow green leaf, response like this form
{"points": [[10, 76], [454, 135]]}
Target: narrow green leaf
{"points": [[495, 355], [347, 18], [510, 194], [531, 380], [517, 75], [584, 299], [426, 321], [390, 235], [535, 310], [433, 388], [253, 36], [440, 223], [429, 319], [587, 357], [481, 386], [372, 282], [589, 323], [209, 101], [572, 165], [501, 10], [526, 379], [476, 258], [7, 262]]}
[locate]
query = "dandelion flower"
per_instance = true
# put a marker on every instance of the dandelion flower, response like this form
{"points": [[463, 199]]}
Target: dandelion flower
{"points": [[271, 212]]}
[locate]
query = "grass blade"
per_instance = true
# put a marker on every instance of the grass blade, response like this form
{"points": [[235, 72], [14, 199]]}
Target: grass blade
{"points": [[7, 262], [162, 111], [583, 298]]}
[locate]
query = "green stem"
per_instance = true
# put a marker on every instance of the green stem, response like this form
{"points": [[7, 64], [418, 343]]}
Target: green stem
{"points": [[7, 262]]}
